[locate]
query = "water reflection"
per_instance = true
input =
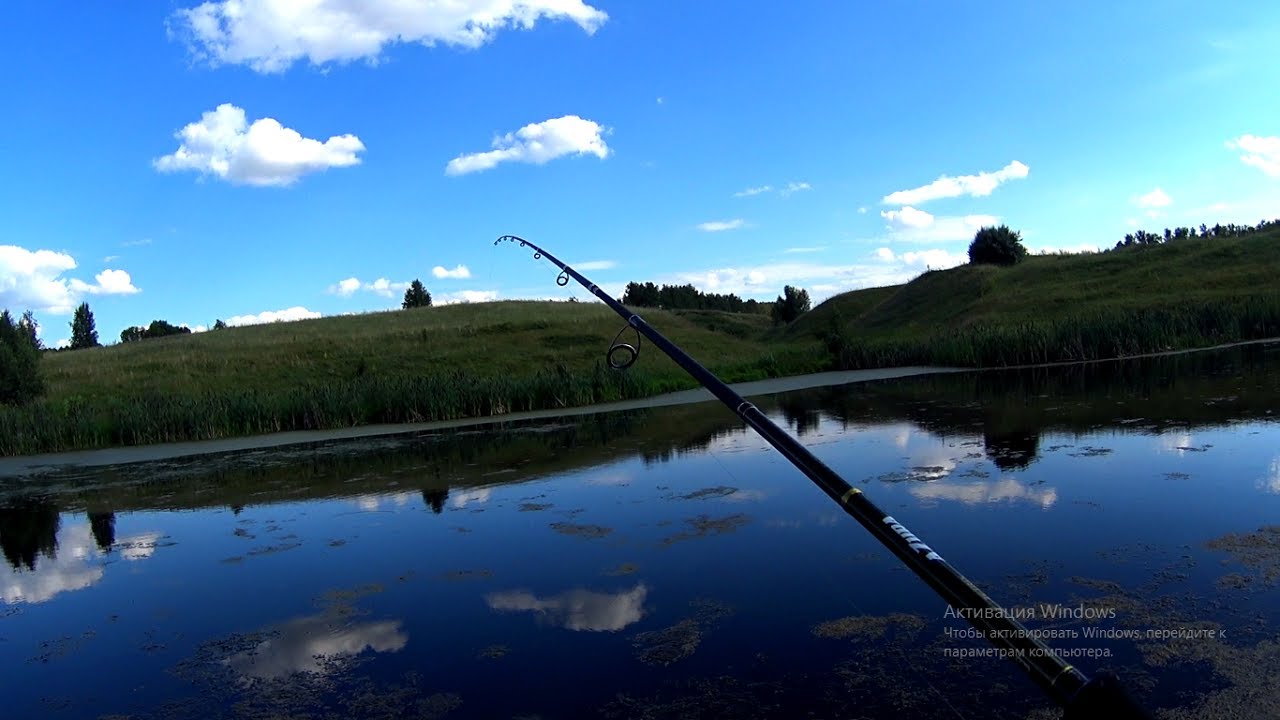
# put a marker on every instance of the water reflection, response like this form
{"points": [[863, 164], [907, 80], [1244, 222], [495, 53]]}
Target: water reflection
{"points": [[973, 493], [317, 644], [29, 528], [577, 609], [435, 498]]}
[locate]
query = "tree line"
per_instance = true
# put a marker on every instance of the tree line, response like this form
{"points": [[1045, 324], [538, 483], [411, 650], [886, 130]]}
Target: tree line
{"points": [[1231, 230], [787, 307]]}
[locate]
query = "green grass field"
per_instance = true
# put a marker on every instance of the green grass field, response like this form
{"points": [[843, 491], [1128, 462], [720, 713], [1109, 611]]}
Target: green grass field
{"points": [[1052, 308], [491, 358]]}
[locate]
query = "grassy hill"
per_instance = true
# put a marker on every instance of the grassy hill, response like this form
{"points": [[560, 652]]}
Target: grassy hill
{"points": [[1060, 307], [491, 358], [406, 366]]}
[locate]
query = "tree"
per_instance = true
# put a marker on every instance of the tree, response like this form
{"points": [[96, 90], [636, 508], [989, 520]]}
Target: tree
{"points": [[30, 330], [416, 296], [157, 328], [20, 380], [84, 332], [793, 303], [219, 325], [996, 246]]}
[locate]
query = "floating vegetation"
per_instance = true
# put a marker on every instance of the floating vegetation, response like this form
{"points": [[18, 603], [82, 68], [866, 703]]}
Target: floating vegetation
{"points": [[703, 525], [493, 652], [869, 627], [535, 507], [677, 642], [273, 549], [457, 575], [623, 569], [584, 531], [1091, 451], [1176, 476], [708, 493], [1259, 550]]}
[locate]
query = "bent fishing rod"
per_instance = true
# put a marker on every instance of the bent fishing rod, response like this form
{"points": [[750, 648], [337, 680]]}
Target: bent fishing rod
{"points": [[1082, 697]]}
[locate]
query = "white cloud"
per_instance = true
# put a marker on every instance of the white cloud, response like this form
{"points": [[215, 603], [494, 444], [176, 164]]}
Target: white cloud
{"points": [[661, 100], [479, 497], [460, 272], [1260, 152], [225, 145], [862, 211], [537, 143], [270, 35], [819, 248], [77, 564], [382, 287], [785, 190], [1155, 199], [915, 225], [721, 225], [907, 217], [34, 280], [980, 185], [976, 493], [270, 316], [316, 644], [820, 280], [595, 265], [464, 296], [936, 259], [110, 258], [136, 243], [578, 609], [63, 343]]}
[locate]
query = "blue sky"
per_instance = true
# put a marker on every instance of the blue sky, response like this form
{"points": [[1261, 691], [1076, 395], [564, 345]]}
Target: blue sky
{"points": [[259, 159]]}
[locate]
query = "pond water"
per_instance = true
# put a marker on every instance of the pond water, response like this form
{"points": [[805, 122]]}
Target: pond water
{"points": [[668, 563]]}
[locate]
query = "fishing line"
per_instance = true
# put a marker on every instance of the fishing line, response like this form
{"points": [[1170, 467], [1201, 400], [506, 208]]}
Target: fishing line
{"points": [[1067, 685]]}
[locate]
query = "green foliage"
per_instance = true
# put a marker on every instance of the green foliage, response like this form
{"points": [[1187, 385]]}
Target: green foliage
{"points": [[416, 296], [20, 378], [219, 325], [1142, 237], [996, 246], [686, 297], [157, 328], [84, 331], [793, 303]]}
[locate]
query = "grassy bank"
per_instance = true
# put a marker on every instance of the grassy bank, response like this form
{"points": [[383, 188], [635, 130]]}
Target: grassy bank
{"points": [[1058, 308], [410, 366], [492, 358]]}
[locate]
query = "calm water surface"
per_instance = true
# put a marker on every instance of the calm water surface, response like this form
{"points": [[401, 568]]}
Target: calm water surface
{"points": [[668, 563]]}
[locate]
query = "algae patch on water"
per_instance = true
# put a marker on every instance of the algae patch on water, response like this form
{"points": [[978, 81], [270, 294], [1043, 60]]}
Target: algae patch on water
{"points": [[583, 531], [1259, 551], [869, 627]]}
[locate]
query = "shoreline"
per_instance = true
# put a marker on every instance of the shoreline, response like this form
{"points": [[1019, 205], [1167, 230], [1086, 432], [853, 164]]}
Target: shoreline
{"points": [[26, 466]]}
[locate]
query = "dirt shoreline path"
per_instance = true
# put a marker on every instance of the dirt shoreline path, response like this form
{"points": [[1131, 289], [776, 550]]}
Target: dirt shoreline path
{"points": [[29, 465]]}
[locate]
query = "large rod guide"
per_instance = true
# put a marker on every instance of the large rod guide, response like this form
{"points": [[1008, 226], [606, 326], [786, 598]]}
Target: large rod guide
{"points": [[1082, 697]]}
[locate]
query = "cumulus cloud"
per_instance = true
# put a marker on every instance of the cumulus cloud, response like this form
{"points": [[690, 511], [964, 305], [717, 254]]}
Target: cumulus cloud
{"points": [[266, 153], [936, 259], [1260, 152], [721, 225], [980, 185], [977, 493], [460, 272], [34, 279], [77, 564], [382, 287], [270, 316], [269, 35], [464, 296], [578, 609], [317, 644], [1155, 199], [537, 143], [794, 187], [911, 224]]}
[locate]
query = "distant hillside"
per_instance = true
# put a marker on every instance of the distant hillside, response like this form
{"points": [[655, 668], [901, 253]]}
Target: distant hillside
{"points": [[1061, 307]]}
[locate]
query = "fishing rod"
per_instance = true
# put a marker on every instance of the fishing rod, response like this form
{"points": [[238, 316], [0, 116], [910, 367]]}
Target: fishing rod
{"points": [[1082, 697]]}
